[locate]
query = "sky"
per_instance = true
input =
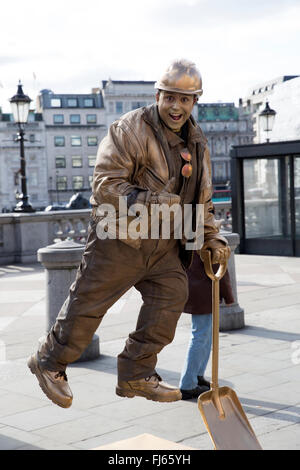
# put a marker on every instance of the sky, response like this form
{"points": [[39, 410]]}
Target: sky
{"points": [[71, 46]]}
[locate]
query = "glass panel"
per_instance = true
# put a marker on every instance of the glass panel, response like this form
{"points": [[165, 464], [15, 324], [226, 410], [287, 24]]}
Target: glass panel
{"points": [[55, 102], [60, 162], [75, 118], [58, 119], [75, 141], [76, 162], [266, 192], [72, 102], [92, 160], [61, 183], [91, 118], [92, 141], [77, 182], [88, 102], [119, 107], [297, 194], [59, 141]]}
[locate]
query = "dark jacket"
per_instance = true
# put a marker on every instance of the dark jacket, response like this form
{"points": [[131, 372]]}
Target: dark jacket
{"points": [[200, 288]]}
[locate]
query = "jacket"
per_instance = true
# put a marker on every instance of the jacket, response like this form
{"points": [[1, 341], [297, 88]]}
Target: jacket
{"points": [[200, 288], [133, 157]]}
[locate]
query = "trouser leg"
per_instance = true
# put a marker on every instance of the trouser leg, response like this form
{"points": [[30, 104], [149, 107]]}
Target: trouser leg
{"points": [[198, 351], [102, 278], [164, 294]]}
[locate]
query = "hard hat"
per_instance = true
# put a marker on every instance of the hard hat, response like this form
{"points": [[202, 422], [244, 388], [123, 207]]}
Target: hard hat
{"points": [[181, 76]]}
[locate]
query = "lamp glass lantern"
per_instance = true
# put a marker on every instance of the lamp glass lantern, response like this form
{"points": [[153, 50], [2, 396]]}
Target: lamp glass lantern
{"points": [[267, 117], [20, 104]]}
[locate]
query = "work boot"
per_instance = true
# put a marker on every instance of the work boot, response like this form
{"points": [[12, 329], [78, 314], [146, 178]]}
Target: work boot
{"points": [[194, 392], [54, 384], [202, 381], [151, 388]]}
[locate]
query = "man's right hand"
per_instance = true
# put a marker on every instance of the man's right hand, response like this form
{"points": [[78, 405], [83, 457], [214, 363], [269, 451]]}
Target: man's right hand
{"points": [[164, 197]]}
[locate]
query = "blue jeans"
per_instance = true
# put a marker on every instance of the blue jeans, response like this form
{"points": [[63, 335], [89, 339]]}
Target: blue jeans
{"points": [[198, 351]]}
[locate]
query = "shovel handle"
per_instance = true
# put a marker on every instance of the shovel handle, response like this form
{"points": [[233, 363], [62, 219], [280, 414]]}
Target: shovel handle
{"points": [[206, 258]]}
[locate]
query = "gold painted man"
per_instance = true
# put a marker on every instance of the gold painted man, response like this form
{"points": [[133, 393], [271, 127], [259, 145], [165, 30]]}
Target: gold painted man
{"points": [[152, 155]]}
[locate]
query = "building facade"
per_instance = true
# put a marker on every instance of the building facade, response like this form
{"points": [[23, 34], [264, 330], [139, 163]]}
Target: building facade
{"points": [[35, 158], [224, 125], [71, 126], [256, 98], [74, 126], [120, 97]]}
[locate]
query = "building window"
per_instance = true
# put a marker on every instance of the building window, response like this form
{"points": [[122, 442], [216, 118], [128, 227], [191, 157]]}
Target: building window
{"points": [[75, 119], [33, 178], [92, 160], [90, 180], [58, 118], [55, 103], [31, 138], [61, 183], [119, 107], [77, 182], [91, 119], [219, 172], [72, 102], [92, 141], [60, 162], [88, 102], [76, 162], [138, 104], [75, 141], [59, 141]]}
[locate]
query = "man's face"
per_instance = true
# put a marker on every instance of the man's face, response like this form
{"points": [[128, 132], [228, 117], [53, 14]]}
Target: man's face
{"points": [[174, 108]]}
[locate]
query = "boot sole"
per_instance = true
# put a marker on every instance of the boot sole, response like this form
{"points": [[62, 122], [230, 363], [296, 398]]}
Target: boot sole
{"points": [[130, 394], [35, 371]]}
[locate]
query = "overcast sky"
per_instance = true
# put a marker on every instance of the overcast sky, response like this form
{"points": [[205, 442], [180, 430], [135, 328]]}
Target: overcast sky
{"points": [[72, 45]]}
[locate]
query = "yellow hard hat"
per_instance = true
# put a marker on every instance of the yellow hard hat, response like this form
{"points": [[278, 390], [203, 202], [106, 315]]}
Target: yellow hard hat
{"points": [[182, 76]]}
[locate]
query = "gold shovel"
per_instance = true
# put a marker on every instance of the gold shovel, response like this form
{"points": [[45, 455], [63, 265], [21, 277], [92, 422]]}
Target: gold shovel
{"points": [[220, 407]]}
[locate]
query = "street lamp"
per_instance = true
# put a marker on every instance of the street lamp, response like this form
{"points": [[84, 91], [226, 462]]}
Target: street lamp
{"points": [[267, 117], [20, 104]]}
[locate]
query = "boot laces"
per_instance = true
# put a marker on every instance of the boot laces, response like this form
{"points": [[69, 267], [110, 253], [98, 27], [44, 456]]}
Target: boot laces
{"points": [[154, 375], [61, 375]]}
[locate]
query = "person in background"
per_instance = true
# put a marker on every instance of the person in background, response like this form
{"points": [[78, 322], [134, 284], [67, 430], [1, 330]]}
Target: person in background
{"points": [[192, 382]]}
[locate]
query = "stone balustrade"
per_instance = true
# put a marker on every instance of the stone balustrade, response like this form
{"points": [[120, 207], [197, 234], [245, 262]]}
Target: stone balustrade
{"points": [[22, 235]]}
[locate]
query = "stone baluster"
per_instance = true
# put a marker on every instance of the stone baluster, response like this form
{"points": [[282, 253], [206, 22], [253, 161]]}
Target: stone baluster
{"points": [[231, 316], [61, 262]]}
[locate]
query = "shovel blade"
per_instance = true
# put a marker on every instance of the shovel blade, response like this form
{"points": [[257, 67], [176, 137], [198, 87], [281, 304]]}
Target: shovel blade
{"points": [[232, 431]]}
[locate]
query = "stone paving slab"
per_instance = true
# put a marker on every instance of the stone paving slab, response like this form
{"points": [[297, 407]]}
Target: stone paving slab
{"points": [[260, 362]]}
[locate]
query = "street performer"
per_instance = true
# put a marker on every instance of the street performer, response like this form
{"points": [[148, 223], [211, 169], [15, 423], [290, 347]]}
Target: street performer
{"points": [[155, 155]]}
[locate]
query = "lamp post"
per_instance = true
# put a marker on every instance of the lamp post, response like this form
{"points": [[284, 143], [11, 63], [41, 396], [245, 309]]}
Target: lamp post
{"points": [[267, 117], [20, 108]]}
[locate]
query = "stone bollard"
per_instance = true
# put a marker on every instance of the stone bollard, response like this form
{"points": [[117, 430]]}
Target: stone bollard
{"points": [[61, 262], [231, 316]]}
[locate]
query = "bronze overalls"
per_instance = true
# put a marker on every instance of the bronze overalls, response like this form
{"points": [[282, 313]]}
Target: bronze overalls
{"points": [[107, 271]]}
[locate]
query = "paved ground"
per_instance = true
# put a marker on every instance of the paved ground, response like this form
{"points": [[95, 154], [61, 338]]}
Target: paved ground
{"points": [[260, 362]]}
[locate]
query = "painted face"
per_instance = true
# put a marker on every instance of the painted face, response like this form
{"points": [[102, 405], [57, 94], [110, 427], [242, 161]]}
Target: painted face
{"points": [[174, 108]]}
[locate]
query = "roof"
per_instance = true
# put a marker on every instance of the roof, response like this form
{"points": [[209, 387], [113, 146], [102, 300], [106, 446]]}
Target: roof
{"points": [[47, 95], [127, 82]]}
